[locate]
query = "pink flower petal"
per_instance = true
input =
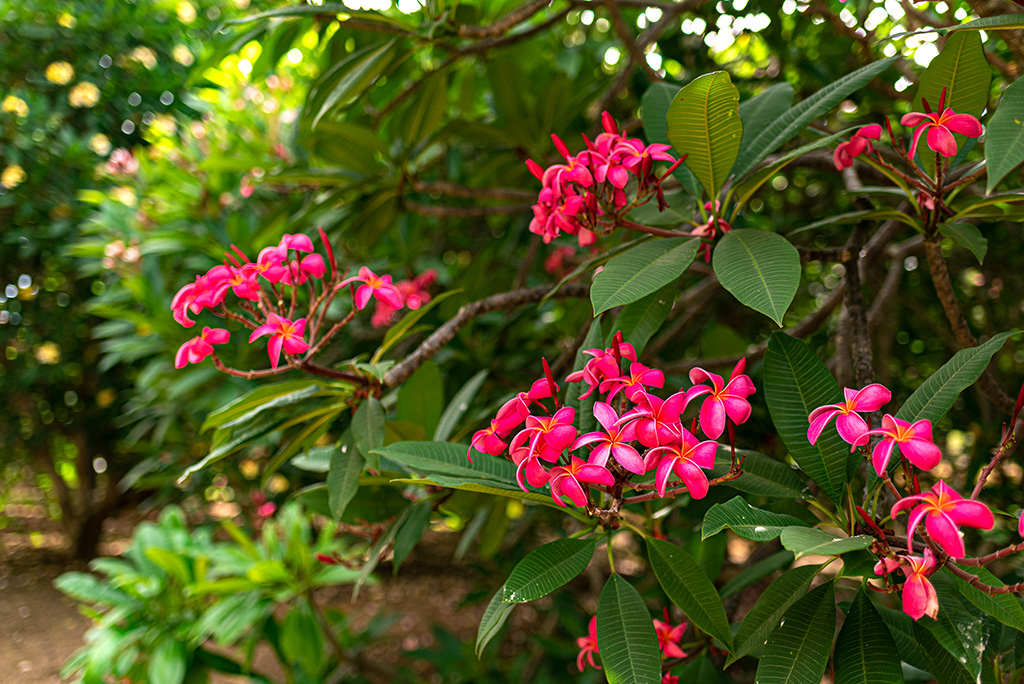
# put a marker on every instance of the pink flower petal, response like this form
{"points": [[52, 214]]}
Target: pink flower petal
{"points": [[964, 124], [871, 398], [913, 119], [363, 295], [921, 453], [712, 417], [695, 479], [629, 458], [605, 415], [944, 532], [942, 141], [851, 426], [880, 456], [819, 421], [919, 598], [972, 514]]}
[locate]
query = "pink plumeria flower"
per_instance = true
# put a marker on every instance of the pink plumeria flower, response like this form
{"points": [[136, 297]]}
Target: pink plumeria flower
{"points": [[529, 469], [184, 301], [588, 646], [668, 678], [376, 286], [726, 399], [919, 597], [943, 511], [223, 278], [669, 638], [685, 457], [489, 440], [299, 271], [640, 377], [940, 129], [860, 142], [656, 420], [915, 442], [603, 366], [300, 243], [198, 348], [568, 481], [612, 442], [849, 424], [549, 436], [284, 334]]}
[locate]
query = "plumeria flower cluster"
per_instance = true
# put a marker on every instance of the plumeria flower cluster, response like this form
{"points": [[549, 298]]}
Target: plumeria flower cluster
{"points": [[640, 432], [941, 511], [669, 639], [264, 296], [592, 190], [415, 292]]}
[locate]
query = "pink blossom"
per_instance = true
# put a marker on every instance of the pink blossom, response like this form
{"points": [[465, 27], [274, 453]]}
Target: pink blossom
{"points": [[529, 467], [860, 142], [588, 646], [915, 442], [919, 597], [943, 511], [184, 301], [685, 457], [850, 425], [640, 376], [379, 287], [940, 129], [198, 348], [569, 480], [549, 436], [299, 242], [656, 419], [612, 442], [283, 334], [669, 638], [603, 366], [725, 400], [415, 294], [510, 416]]}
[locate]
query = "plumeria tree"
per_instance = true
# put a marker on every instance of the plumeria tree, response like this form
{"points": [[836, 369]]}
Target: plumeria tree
{"points": [[713, 430]]}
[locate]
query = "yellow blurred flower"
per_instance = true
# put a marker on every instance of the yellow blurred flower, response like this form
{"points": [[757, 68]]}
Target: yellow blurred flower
{"points": [[163, 125], [67, 21], [124, 195], [182, 55], [278, 483], [12, 176], [144, 56], [84, 95], [186, 12], [60, 73], [15, 105], [48, 353], [100, 144], [105, 397]]}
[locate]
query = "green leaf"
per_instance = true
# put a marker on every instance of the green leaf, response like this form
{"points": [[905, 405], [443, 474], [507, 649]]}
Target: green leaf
{"points": [[1004, 135], [901, 627], [865, 653], [347, 79], [261, 399], [945, 667], [170, 562], [410, 533], [1003, 607], [421, 397], [958, 627], [640, 320], [796, 118], [458, 406], [584, 408], [343, 476], [746, 521], [795, 383], [428, 108], [368, 429], [373, 557], [811, 541], [934, 398], [641, 271], [763, 109], [547, 568], [688, 587], [762, 475], [967, 236], [704, 124], [88, 588], [960, 68], [446, 458], [761, 269], [601, 259], [405, 327], [493, 619], [655, 103], [625, 635], [495, 488], [759, 570], [167, 663], [766, 614], [301, 639], [797, 652], [1006, 22]]}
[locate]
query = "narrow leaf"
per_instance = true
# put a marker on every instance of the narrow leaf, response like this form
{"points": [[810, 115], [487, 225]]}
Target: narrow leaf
{"points": [[493, 620], [641, 271], [449, 459], [865, 653], [746, 521], [368, 429], [766, 614], [1004, 137], [421, 397], [410, 533], [688, 587], [625, 635], [811, 541], [797, 652], [761, 269], [763, 109], [547, 568], [458, 406]]}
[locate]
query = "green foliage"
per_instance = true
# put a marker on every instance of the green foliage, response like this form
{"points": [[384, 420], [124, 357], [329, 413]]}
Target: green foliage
{"points": [[547, 568], [762, 270], [625, 636], [641, 271], [798, 650]]}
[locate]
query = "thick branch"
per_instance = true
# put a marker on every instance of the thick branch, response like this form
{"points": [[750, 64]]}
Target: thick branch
{"points": [[443, 335]]}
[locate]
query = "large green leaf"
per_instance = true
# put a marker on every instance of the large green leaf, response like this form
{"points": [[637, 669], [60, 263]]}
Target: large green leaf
{"points": [[763, 109], [766, 614], [960, 68], [945, 667], [745, 520], [655, 103], [1003, 607], [421, 397], [346, 80], [967, 236], [639, 320], [1004, 138], [168, 661], [494, 488], [601, 259], [811, 541], [688, 586], [762, 475], [641, 271], [493, 619], [865, 653], [761, 269], [795, 383], [547, 568], [410, 533], [797, 652], [797, 117], [704, 124], [458, 406], [625, 635], [368, 429], [958, 627], [426, 110], [450, 459], [934, 398], [261, 399]]}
